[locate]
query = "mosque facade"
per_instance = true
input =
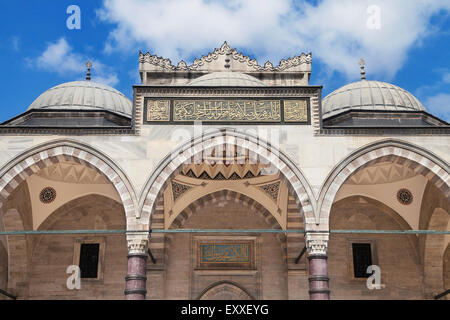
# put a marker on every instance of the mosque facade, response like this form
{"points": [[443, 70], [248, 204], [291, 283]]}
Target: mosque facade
{"points": [[225, 179]]}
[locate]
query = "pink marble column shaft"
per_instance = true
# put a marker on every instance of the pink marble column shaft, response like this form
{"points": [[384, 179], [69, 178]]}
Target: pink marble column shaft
{"points": [[136, 279], [318, 277]]}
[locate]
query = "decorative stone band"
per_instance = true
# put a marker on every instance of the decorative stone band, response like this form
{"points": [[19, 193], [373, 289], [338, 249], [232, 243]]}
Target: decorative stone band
{"points": [[319, 291], [318, 278], [135, 291], [135, 277]]}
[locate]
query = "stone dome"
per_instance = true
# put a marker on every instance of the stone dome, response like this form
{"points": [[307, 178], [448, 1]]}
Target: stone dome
{"points": [[227, 78], [83, 95], [369, 96]]}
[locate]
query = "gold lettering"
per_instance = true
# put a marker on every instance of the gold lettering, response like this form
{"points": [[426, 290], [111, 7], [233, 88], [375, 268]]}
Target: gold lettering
{"points": [[227, 110], [295, 111]]}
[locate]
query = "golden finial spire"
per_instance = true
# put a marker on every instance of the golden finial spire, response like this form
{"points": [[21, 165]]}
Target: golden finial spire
{"points": [[88, 73], [362, 63]]}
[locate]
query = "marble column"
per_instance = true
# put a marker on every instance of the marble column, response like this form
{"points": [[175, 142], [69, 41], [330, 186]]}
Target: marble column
{"points": [[136, 279], [317, 244]]}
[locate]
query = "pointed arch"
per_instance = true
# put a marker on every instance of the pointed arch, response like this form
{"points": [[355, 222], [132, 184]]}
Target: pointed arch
{"points": [[423, 162], [214, 291], [224, 194], [225, 139], [49, 153]]}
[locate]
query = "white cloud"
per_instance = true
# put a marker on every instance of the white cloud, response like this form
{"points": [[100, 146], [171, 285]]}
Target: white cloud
{"points": [[439, 105], [60, 58], [15, 43], [446, 77], [335, 31]]}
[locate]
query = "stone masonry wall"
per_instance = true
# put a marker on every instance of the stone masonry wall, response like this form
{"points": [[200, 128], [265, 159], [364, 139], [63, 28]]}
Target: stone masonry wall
{"points": [[396, 255], [53, 254], [270, 280]]}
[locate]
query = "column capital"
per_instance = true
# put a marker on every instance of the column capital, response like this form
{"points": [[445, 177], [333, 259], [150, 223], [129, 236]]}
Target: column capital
{"points": [[137, 246], [317, 243]]}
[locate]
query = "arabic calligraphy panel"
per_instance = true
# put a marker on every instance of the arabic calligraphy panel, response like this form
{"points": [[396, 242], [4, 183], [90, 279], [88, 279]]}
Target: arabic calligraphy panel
{"points": [[227, 110], [295, 111], [225, 255], [158, 110], [222, 253]]}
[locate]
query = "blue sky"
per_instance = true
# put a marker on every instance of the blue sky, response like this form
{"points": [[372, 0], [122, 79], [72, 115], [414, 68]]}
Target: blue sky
{"points": [[405, 42]]}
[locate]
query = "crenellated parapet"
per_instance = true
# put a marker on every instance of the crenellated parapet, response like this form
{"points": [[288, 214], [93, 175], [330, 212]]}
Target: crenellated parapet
{"points": [[156, 70]]}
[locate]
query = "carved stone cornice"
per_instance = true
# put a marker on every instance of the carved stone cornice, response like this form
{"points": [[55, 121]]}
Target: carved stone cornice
{"points": [[225, 49], [317, 243], [225, 92], [137, 246]]}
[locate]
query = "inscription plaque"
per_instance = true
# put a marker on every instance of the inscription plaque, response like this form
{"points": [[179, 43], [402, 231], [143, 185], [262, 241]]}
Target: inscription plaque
{"points": [[226, 110], [295, 111], [292, 111], [158, 110], [223, 254]]}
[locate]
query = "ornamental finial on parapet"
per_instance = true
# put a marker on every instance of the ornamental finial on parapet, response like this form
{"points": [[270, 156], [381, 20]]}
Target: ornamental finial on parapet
{"points": [[225, 47]]}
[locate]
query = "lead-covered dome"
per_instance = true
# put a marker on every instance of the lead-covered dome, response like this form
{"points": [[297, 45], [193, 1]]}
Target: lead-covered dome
{"points": [[83, 95], [369, 96], [227, 78]]}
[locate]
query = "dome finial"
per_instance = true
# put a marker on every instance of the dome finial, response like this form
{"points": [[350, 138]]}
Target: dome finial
{"points": [[88, 73], [362, 63]]}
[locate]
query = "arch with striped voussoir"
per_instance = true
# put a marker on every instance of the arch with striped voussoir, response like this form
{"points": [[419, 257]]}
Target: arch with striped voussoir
{"points": [[229, 195], [50, 153], [226, 139], [422, 162], [224, 290], [291, 243]]}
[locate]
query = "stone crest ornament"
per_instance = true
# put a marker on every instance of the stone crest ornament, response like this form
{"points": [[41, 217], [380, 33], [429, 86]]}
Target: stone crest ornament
{"points": [[47, 195], [231, 54], [404, 196]]}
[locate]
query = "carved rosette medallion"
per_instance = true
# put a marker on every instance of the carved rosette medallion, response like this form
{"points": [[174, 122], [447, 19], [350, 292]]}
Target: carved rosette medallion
{"points": [[47, 195], [404, 196]]}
